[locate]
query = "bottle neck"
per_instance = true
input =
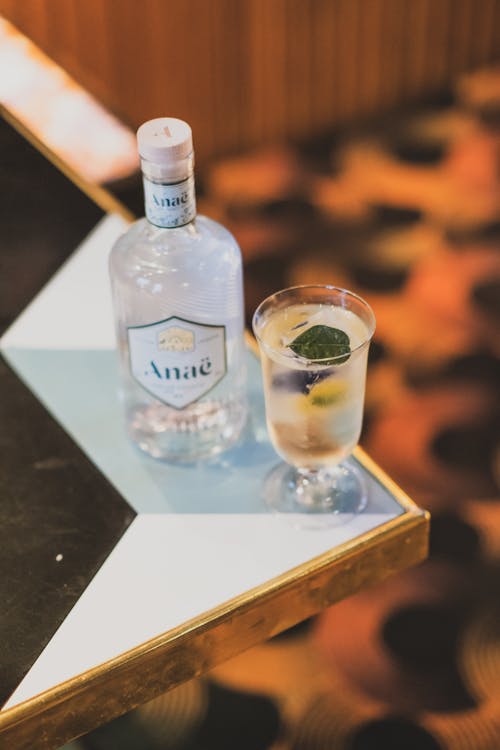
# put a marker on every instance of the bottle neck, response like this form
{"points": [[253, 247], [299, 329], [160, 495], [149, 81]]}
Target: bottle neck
{"points": [[169, 193]]}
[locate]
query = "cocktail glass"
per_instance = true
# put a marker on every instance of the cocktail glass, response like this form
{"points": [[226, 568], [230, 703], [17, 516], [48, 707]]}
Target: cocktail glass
{"points": [[314, 398]]}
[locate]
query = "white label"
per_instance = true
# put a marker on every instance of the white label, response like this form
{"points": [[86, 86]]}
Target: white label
{"points": [[170, 205], [176, 360]]}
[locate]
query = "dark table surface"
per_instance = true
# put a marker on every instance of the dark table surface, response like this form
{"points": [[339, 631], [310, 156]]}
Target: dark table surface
{"points": [[45, 479]]}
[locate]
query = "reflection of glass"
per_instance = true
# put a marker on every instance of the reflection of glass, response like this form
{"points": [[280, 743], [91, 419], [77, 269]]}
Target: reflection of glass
{"points": [[314, 407]]}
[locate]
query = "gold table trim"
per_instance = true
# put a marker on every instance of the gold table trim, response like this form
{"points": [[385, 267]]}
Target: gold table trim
{"points": [[92, 698]]}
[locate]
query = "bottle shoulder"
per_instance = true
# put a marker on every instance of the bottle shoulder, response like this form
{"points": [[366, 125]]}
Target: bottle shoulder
{"points": [[200, 233], [203, 242], [214, 228]]}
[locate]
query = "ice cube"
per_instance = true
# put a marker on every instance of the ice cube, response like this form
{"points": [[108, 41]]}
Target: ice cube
{"points": [[292, 333]]}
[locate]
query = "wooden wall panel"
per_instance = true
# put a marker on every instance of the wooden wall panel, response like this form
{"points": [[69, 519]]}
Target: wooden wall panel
{"points": [[244, 72]]}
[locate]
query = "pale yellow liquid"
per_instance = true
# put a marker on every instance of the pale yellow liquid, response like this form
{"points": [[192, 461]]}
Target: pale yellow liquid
{"points": [[314, 412]]}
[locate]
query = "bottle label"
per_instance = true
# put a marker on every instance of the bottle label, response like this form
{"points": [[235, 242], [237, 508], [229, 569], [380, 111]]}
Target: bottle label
{"points": [[171, 205], [176, 360]]}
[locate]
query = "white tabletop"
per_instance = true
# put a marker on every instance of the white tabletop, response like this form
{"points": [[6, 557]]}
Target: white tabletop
{"points": [[201, 535]]}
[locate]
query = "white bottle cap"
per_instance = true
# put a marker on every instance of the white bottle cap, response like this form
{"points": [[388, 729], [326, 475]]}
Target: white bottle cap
{"points": [[165, 140]]}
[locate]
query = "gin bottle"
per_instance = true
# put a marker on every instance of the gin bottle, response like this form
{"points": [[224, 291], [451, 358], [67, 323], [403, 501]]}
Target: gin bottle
{"points": [[178, 299]]}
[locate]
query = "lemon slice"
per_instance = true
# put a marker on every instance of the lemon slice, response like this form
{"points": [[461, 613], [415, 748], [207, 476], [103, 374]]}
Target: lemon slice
{"points": [[327, 393], [300, 403]]}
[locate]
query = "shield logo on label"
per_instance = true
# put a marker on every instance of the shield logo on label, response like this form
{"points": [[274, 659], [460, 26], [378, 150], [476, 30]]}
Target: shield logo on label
{"points": [[177, 360]]}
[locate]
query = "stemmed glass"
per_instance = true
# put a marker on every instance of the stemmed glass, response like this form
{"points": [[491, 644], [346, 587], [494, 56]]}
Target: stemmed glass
{"points": [[314, 344]]}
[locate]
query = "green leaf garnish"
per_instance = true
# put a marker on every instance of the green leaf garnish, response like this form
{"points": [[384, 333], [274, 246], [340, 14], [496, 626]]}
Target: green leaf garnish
{"points": [[323, 343]]}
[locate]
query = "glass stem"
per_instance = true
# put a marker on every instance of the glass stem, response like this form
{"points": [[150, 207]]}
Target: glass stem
{"points": [[313, 487]]}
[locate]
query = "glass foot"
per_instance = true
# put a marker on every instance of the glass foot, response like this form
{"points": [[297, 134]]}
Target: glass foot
{"points": [[316, 499]]}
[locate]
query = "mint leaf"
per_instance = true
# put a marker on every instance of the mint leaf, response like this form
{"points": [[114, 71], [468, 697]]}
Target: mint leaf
{"points": [[323, 342]]}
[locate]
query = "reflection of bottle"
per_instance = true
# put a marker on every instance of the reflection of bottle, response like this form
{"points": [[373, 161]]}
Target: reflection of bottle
{"points": [[178, 298]]}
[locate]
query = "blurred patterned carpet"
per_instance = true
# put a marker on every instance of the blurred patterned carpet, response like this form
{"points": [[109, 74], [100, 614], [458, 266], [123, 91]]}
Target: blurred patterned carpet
{"points": [[406, 212]]}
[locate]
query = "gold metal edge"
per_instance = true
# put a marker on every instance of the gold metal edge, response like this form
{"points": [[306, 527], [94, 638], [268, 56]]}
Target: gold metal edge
{"points": [[392, 487], [98, 194], [400, 542]]}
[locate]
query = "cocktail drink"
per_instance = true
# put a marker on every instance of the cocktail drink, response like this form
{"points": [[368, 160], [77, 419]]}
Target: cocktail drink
{"points": [[314, 344]]}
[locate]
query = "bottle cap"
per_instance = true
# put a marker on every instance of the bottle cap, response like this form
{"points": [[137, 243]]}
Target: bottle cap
{"points": [[165, 140]]}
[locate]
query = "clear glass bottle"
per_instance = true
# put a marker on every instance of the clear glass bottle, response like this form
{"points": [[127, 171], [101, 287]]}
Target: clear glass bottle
{"points": [[178, 298]]}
